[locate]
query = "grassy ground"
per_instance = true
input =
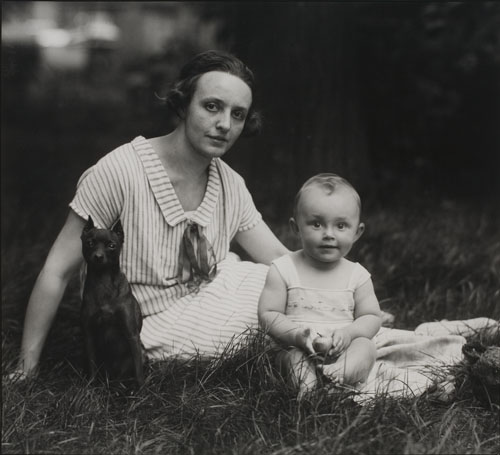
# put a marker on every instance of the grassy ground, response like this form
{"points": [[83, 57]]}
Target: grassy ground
{"points": [[430, 260]]}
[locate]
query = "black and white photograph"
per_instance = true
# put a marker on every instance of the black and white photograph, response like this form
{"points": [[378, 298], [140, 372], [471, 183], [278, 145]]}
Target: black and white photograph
{"points": [[250, 227]]}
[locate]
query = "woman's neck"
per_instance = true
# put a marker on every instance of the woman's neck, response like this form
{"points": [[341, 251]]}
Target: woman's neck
{"points": [[187, 172], [179, 158]]}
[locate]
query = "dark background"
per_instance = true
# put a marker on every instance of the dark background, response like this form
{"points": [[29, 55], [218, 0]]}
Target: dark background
{"points": [[402, 98]]}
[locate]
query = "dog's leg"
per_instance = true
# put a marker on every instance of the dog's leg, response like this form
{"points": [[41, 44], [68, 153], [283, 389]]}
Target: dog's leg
{"points": [[136, 349], [132, 322], [91, 353]]}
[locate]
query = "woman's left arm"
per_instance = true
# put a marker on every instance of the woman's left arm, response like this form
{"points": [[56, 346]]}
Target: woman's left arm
{"points": [[261, 243]]}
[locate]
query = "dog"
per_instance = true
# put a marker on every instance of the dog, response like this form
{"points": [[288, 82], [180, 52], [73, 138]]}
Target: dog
{"points": [[111, 316]]}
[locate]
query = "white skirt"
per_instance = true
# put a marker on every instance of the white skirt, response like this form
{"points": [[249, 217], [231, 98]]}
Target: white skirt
{"points": [[206, 322]]}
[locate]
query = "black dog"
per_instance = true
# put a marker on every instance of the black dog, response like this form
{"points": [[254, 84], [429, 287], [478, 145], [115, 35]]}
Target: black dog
{"points": [[111, 316]]}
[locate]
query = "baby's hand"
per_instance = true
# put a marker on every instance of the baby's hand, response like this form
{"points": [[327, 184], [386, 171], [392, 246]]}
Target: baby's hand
{"points": [[304, 339], [341, 340], [322, 345]]}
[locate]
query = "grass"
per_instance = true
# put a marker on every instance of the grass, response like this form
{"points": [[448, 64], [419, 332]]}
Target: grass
{"points": [[430, 258], [429, 261]]}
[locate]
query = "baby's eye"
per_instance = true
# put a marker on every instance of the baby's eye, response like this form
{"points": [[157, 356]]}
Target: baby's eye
{"points": [[341, 226], [212, 107], [316, 224]]}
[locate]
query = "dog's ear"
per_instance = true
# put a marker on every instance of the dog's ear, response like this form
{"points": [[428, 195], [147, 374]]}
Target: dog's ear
{"points": [[88, 225], [118, 230]]}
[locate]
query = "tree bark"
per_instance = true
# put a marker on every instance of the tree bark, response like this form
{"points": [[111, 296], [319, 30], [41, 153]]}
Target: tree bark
{"points": [[305, 60]]}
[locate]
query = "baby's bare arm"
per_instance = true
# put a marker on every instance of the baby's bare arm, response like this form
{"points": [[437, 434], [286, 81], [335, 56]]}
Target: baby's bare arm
{"points": [[367, 320], [272, 317], [367, 314]]}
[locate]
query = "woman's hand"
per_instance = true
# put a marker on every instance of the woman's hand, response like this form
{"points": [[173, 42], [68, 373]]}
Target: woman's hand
{"points": [[341, 340], [18, 375]]}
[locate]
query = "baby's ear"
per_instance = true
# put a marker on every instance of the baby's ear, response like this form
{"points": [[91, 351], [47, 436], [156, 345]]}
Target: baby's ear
{"points": [[293, 225], [359, 232]]}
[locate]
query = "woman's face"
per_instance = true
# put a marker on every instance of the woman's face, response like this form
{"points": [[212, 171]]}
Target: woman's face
{"points": [[216, 114]]}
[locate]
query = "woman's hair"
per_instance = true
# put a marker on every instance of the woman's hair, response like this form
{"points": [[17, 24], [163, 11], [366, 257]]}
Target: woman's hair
{"points": [[329, 182], [181, 94]]}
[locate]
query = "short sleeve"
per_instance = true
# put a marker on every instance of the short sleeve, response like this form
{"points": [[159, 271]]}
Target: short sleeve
{"points": [[359, 276], [249, 215], [100, 193], [286, 268]]}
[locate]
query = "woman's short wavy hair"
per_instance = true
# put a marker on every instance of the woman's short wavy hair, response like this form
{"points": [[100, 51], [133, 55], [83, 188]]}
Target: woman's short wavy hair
{"points": [[179, 97]]}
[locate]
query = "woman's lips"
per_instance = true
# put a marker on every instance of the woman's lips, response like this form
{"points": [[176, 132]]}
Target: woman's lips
{"points": [[218, 138]]}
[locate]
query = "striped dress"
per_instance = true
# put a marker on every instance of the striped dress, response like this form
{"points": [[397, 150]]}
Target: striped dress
{"points": [[131, 184]]}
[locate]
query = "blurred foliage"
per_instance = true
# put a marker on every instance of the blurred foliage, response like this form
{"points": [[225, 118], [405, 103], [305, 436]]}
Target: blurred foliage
{"points": [[415, 90], [401, 98], [432, 105]]}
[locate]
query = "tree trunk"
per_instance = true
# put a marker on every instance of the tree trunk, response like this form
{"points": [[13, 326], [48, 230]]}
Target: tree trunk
{"points": [[304, 57]]}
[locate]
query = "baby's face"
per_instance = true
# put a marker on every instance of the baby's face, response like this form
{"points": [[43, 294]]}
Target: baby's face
{"points": [[328, 224]]}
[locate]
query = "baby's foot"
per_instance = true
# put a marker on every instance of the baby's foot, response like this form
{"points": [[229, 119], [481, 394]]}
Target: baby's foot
{"points": [[387, 319], [333, 372]]}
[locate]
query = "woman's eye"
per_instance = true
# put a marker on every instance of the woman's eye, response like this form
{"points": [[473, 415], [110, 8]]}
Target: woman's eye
{"points": [[111, 245], [212, 107], [90, 243], [239, 115]]}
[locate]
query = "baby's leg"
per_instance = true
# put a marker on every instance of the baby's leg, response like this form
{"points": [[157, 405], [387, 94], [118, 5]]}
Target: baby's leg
{"points": [[296, 367], [354, 364]]}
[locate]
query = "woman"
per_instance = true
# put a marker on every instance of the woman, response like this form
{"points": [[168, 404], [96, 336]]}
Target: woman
{"points": [[180, 207]]}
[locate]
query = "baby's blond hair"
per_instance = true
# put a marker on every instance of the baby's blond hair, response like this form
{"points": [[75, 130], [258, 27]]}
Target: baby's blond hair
{"points": [[327, 181]]}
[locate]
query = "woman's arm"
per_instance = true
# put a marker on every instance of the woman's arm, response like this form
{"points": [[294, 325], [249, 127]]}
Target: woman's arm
{"points": [[261, 244], [272, 318], [64, 259]]}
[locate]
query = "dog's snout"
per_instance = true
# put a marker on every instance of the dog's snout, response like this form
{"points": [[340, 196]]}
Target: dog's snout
{"points": [[98, 257]]}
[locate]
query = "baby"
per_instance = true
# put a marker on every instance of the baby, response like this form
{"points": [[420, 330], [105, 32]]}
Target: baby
{"points": [[316, 304]]}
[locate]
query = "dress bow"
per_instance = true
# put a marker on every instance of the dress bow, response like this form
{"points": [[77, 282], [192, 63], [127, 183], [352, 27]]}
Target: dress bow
{"points": [[197, 261]]}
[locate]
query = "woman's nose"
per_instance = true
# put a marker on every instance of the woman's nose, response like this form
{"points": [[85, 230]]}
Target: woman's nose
{"points": [[224, 121]]}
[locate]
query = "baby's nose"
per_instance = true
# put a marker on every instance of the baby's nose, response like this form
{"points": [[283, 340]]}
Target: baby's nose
{"points": [[329, 233]]}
